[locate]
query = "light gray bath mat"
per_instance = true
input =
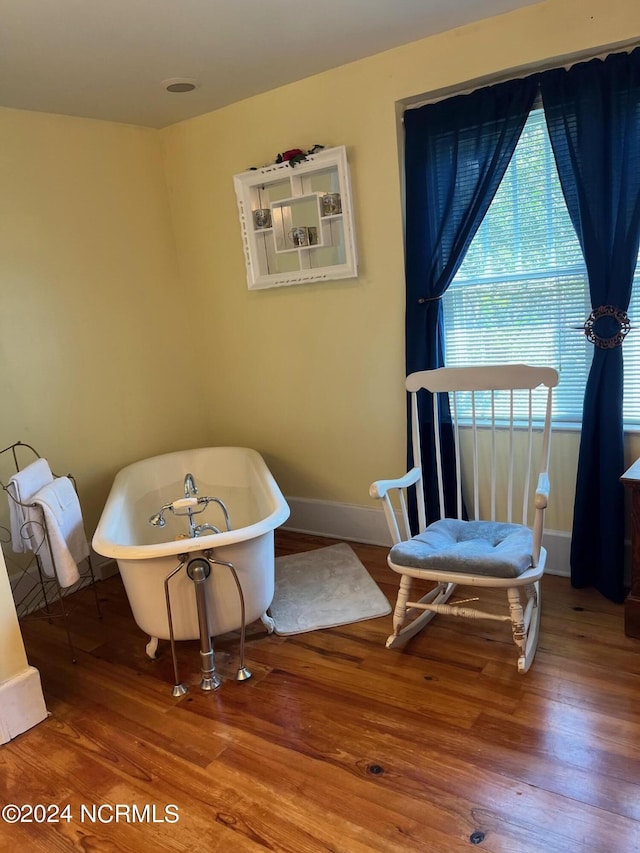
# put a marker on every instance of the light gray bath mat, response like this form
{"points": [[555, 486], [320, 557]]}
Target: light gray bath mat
{"points": [[322, 589]]}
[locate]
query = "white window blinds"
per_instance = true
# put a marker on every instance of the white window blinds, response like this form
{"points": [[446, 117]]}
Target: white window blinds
{"points": [[522, 289]]}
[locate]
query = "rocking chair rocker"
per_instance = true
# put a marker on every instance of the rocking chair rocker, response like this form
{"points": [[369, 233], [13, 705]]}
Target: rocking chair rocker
{"points": [[497, 455]]}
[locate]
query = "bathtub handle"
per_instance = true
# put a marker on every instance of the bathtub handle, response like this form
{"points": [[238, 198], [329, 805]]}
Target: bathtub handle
{"points": [[184, 503]]}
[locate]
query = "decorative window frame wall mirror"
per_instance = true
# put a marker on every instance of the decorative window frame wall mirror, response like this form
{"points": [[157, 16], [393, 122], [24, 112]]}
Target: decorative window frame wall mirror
{"points": [[297, 221]]}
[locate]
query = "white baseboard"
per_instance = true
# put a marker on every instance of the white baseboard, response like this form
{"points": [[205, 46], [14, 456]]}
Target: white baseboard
{"points": [[21, 704], [368, 524], [338, 521]]}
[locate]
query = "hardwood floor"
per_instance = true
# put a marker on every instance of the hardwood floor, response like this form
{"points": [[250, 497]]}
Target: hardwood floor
{"points": [[336, 743]]}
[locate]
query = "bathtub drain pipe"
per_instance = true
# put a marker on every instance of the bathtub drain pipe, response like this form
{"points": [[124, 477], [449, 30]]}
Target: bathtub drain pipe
{"points": [[199, 570]]}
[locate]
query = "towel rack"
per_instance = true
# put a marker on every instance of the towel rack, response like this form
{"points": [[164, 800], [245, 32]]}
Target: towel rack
{"points": [[35, 592]]}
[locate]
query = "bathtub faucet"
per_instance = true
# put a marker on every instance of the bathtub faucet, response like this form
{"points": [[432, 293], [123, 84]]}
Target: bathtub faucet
{"points": [[189, 486], [187, 507]]}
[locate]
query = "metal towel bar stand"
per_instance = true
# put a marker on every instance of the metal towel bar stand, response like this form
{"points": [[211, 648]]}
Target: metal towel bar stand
{"points": [[31, 594]]}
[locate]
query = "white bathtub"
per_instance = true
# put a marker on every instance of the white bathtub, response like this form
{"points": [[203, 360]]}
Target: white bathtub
{"points": [[147, 554]]}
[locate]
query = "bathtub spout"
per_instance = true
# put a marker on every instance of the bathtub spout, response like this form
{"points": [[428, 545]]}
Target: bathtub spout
{"points": [[199, 570], [190, 488]]}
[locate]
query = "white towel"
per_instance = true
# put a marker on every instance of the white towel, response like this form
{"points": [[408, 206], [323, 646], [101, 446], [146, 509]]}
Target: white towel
{"points": [[23, 486], [67, 538]]}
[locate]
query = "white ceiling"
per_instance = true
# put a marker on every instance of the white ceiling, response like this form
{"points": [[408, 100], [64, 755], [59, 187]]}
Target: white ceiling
{"points": [[107, 58]]}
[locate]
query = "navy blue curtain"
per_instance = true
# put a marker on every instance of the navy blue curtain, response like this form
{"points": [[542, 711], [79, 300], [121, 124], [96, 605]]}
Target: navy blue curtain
{"points": [[593, 116], [456, 153]]}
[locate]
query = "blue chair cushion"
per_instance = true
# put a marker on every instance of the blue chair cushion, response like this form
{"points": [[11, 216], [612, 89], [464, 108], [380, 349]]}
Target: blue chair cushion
{"points": [[490, 548]]}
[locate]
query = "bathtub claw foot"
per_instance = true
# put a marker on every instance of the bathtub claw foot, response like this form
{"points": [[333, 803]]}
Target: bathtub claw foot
{"points": [[152, 647], [268, 623]]}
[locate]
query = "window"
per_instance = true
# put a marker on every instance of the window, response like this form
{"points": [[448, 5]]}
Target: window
{"points": [[522, 294]]}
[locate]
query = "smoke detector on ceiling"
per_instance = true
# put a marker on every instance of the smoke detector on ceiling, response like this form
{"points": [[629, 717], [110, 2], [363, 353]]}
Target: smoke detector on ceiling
{"points": [[180, 84]]}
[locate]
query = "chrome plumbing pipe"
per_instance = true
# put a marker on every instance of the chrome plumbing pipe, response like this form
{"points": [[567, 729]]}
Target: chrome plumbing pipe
{"points": [[222, 506], [198, 569], [242, 673], [179, 689]]}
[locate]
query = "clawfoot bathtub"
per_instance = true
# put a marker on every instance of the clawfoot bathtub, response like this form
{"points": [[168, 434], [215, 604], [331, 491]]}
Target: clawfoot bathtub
{"points": [[146, 554]]}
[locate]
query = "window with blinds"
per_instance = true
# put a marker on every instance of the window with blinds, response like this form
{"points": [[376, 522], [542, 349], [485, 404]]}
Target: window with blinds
{"points": [[522, 295]]}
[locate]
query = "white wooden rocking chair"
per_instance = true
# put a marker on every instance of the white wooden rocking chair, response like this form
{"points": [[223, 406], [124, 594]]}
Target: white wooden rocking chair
{"points": [[489, 549]]}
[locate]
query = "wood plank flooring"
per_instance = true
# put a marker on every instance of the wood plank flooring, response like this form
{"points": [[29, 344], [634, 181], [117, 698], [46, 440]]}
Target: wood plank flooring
{"points": [[336, 743]]}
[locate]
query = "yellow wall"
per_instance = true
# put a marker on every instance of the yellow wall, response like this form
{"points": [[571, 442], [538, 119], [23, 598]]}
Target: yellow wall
{"points": [[311, 375], [112, 350], [13, 659], [94, 329]]}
